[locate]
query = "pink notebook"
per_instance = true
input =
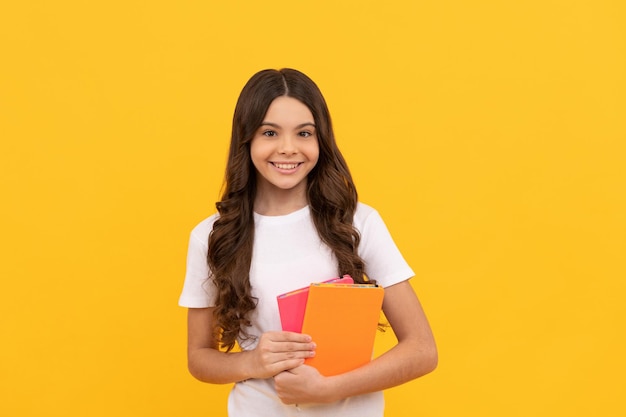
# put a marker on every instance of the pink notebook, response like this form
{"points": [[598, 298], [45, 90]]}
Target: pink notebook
{"points": [[292, 305]]}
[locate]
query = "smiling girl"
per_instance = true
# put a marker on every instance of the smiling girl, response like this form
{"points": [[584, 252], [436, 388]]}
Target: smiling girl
{"points": [[289, 216]]}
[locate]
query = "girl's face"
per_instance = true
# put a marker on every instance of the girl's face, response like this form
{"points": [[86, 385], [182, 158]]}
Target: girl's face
{"points": [[285, 149]]}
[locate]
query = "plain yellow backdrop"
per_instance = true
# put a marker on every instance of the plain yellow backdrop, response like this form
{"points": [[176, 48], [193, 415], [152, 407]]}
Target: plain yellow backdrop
{"points": [[489, 134]]}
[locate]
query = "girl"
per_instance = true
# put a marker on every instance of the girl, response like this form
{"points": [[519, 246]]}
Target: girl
{"points": [[289, 216]]}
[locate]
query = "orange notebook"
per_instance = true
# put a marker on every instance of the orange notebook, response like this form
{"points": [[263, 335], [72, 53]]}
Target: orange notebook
{"points": [[342, 320], [291, 305]]}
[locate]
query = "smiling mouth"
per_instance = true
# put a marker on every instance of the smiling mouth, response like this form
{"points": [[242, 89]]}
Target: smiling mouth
{"points": [[286, 166]]}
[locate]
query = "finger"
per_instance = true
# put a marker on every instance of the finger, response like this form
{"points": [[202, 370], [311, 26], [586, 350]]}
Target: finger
{"points": [[276, 343], [296, 346], [290, 349], [284, 356], [288, 364], [288, 337], [287, 360], [282, 366]]}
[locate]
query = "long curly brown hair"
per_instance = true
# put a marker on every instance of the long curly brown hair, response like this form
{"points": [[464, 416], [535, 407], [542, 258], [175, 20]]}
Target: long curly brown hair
{"points": [[331, 194]]}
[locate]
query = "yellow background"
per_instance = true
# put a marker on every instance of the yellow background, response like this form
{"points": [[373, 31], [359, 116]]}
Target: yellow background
{"points": [[489, 134]]}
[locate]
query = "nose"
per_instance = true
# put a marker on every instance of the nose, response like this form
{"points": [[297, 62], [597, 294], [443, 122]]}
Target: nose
{"points": [[287, 145]]}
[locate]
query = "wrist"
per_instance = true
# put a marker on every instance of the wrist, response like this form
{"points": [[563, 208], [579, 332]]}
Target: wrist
{"points": [[330, 389], [246, 362]]}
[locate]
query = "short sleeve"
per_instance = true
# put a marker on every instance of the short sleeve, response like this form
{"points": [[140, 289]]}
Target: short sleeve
{"points": [[383, 260], [198, 290]]}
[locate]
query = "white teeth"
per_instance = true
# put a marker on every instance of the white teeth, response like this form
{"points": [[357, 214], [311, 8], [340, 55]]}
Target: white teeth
{"points": [[285, 166]]}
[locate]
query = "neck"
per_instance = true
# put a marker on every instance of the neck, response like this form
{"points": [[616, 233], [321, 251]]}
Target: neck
{"points": [[279, 202]]}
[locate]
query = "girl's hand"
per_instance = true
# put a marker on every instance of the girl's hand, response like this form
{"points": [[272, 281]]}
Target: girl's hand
{"points": [[302, 385], [279, 351]]}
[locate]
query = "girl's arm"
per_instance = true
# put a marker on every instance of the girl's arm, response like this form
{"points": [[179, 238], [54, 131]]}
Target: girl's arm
{"points": [[414, 355], [275, 352]]}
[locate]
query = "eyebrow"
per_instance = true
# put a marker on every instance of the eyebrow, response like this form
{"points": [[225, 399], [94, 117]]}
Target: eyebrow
{"points": [[300, 126]]}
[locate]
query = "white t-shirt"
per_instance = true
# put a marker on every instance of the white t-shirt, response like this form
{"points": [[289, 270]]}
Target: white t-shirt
{"points": [[288, 254]]}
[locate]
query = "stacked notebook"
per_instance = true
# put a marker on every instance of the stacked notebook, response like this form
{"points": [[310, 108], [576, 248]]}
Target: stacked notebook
{"points": [[340, 316]]}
